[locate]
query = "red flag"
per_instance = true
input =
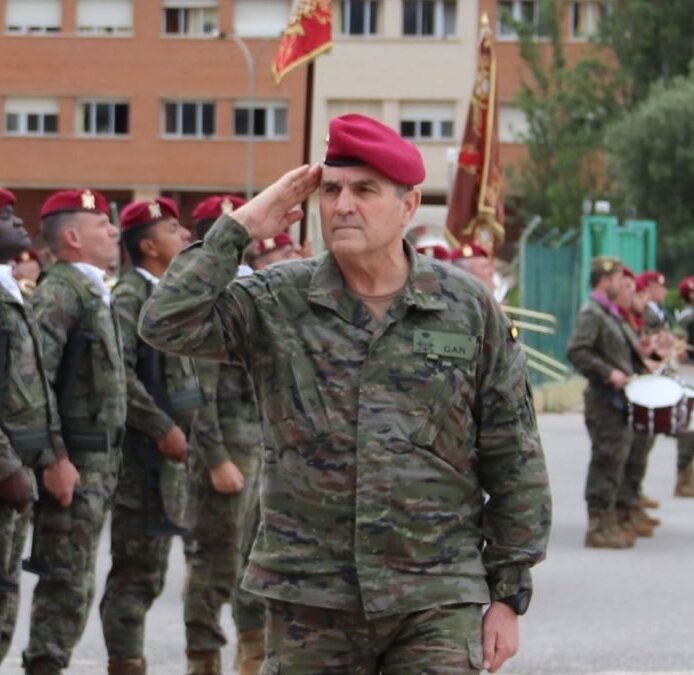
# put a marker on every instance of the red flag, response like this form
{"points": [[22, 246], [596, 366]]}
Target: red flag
{"points": [[476, 207], [308, 34]]}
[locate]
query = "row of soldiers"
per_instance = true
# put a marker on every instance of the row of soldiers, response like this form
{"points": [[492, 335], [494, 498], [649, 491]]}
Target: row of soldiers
{"points": [[93, 419], [623, 331]]}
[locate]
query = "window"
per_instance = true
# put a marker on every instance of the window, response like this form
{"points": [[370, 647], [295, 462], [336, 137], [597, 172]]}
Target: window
{"points": [[103, 118], [359, 17], [32, 16], [190, 17], [427, 121], [105, 17], [189, 118], [260, 120], [31, 116], [585, 18], [512, 12], [260, 18], [435, 18], [513, 124]]}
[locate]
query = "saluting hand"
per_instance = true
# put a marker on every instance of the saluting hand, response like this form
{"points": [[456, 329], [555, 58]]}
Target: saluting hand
{"points": [[226, 478], [278, 206]]}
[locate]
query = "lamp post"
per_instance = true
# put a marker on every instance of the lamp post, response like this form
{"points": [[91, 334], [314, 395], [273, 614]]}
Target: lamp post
{"points": [[250, 143]]}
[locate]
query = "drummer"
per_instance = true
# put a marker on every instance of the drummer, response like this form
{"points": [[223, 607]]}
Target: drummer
{"points": [[601, 350]]}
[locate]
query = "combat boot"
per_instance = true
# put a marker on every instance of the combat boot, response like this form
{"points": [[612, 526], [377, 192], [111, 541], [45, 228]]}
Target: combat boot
{"points": [[604, 533], [648, 503], [684, 487], [204, 662], [250, 652], [634, 520], [642, 513], [127, 667]]}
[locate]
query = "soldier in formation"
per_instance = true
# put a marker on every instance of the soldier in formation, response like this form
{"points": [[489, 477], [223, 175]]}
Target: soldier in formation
{"points": [[83, 360], [163, 399], [393, 396]]}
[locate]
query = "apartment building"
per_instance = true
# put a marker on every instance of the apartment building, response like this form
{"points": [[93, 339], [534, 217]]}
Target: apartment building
{"points": [[144, 97]]}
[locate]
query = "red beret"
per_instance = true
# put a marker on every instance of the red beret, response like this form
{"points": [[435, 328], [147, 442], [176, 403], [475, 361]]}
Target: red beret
{"points": [[26, 256], [469, 251], [7, 198], [75, 200], [646, 278], [436, 251], [147, 212], [686, 286], [215, 206], [356, 139], [280, 241]]}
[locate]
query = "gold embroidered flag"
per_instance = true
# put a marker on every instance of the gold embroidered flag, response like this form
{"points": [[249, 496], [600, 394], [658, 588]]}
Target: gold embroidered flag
{"points": [[308, 34], [476, 205]]}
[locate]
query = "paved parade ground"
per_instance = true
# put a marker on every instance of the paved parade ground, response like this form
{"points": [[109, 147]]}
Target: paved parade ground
{"points": [[594, 611]]}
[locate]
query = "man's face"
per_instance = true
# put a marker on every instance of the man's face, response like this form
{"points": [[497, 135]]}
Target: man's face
{"points": [[657, 291], [613, 285], [96, 239], [639, 301], [166, 239], [483, 269], [276, 255], [361, 211], [625, 293], [13, 237]]}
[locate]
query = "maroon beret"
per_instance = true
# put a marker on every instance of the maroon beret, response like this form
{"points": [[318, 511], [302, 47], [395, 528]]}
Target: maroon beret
{"points": [[628, 273], [686, 286], [7, 198], [436, 251], [646, 278], [75, 200], [216, 205], [280, 241], [469, 251], [147, 212], [356, 140]]}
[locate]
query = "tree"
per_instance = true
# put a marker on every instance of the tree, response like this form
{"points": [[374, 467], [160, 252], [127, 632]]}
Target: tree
{"points": [[652, 41], [651, 156], [567, 108]]}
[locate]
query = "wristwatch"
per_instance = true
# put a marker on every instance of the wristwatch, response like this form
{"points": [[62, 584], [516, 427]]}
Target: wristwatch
{"points": [[519, 602]]}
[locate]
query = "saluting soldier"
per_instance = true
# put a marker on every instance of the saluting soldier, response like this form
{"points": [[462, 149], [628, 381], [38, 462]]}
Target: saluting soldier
{"points": [[393, 396], [83, 358], [225, 478], [30, 440], [163, 399], [601, 350]]}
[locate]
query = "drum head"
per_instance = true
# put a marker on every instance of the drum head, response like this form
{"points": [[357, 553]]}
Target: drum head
{"points": [[654, 391]]}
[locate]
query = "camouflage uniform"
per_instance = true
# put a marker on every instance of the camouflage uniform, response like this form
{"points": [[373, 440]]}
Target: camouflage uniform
{"points": [[380, 437], [685, 441], [75, 323], [600, 343], [140, 537], [29, 436], [223, 524]]}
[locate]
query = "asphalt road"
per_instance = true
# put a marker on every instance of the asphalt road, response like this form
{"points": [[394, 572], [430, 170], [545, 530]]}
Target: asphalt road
{"points": [[594, 612]]}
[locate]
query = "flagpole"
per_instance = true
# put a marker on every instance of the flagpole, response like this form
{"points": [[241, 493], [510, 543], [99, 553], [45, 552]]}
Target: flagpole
{"points": [[308, 123]]}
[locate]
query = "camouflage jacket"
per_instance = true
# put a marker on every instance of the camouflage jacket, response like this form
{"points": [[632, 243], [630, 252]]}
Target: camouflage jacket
{"points": [[600, 343], [27, 405], [178, 377], [66, 303], [228, 426], [653, 321], [381, 439]]}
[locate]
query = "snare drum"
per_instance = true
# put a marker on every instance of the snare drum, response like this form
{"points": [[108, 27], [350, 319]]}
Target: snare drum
{"points": [[655, 404]]}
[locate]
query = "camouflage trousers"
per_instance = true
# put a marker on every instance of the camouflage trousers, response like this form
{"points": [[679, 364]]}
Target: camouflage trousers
{"points": [[685, 449], [611, 441], [13, 532], [635, 470], [224, 527], [64, 547], [139, 559], [303, 640]]}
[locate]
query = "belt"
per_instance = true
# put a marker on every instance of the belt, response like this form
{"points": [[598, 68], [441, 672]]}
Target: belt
{"points": [[185, 401], [29, 440], [91, 440]]}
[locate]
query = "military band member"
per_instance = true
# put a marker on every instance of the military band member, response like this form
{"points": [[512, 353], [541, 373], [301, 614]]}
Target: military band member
{"points": [[475, 259], [30, 441], [684, 482], [392, 395], [83, 359], [224, 497], [654, 315], [163, 399]]}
